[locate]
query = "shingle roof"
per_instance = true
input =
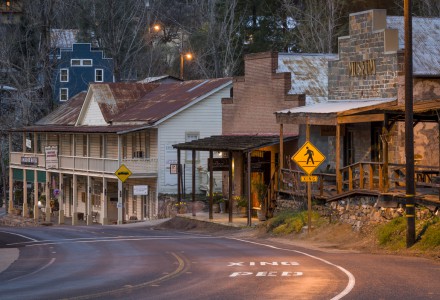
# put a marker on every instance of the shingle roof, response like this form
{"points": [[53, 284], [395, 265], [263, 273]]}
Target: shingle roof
{"points": [[309, 73], [231, 142]]}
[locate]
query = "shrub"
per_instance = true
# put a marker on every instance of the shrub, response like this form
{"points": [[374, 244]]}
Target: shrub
{"points": [[289, 222], [431, 236], [393, 233]]}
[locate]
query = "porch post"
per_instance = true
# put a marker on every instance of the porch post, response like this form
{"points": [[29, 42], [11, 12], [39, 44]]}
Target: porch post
{"points": [[47, 192], [104, 202], [11, 180], [281, 162], [179, 187], [75, 200], [193, 183], [211, 183], [61, 199], [25, 199], [385, 154], [36, 208], [230, 187], [338, 159], [89, 201], [120, 203], [249, 216]]}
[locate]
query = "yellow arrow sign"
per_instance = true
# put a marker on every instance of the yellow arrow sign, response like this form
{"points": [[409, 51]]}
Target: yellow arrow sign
{"points": [[308, 158], [123, 173]]}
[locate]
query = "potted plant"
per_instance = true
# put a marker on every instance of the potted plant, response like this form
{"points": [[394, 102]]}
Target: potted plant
{"points": [[241, 203], [261, 191]]}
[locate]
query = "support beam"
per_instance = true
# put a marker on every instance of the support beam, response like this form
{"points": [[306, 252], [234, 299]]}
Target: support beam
{"points": [[179, 174], [25, 211], [230, 183], [11, 180], [248, 182], [211, 183], [338, 159], [61, 199], [89, 201], [75, 200], [104, 201], [47, 192], [193, 182], [36, 208], [120, 202]]}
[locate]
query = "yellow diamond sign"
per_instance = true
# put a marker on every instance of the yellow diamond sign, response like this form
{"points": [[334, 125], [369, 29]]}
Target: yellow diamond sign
{"points": [[123, 173], [308, 158]]}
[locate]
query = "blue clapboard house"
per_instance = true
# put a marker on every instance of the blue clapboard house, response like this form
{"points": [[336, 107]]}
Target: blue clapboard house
{"points": [[76, 67]]}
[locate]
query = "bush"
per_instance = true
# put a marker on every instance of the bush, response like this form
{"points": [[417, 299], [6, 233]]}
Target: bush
{"points": [[431, 236], [393, 234], [289, 222]]}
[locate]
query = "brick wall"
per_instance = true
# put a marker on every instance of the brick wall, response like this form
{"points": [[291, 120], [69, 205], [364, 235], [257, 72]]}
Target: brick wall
{"points": [[257, 96]]}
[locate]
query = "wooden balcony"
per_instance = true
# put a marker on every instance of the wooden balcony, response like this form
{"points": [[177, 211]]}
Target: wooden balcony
{"points": [[91, 164]]}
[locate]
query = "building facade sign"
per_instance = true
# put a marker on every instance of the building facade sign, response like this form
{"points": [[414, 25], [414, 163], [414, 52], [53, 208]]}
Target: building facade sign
{"points": [[362, 68], [51, 157], [29, 161]]}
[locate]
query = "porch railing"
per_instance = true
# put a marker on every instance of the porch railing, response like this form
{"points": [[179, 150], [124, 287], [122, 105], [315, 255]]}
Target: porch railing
{"points": [[92, 164], [371, 176]]}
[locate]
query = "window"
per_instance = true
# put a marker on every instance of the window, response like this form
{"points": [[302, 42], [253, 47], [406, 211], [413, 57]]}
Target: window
{"points": [[99, 75], [191, 136], [64, 75], [81, 62], [64, 94]]}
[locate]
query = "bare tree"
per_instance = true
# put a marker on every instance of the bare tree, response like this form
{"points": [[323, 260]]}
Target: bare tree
{"points": [[317, 23]]}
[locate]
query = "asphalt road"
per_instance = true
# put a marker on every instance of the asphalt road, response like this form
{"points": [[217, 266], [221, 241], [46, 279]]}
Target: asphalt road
{"points": [[113, 262]]}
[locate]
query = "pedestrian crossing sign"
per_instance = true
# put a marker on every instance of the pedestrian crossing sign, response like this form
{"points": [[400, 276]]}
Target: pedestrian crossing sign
{"points": [[308, 157]]}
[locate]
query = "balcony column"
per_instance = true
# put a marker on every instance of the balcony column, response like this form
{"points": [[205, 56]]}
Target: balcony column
{"points": [[75, 200], [11, 180], [47, 192], [120, 203], [104, 201], [36, 198], [24, 213], [61, 199], [89, 200]]}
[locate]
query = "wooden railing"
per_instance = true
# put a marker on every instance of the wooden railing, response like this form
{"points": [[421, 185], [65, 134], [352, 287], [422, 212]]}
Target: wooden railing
{"points": [[92, 164], [371, 176]]}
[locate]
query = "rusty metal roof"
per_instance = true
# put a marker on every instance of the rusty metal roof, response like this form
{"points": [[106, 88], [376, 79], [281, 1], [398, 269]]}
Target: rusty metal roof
{"points": [[77, 129], [168, 98], [232, 142], [114, 98], [67, 113]]}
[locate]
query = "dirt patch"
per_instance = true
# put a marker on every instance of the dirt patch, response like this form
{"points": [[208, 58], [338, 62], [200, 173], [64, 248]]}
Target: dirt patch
{"points": [[186, 224]]}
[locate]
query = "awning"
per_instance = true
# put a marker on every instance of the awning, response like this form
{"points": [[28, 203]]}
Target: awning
{"points": [[327, 113], [232, 142]]}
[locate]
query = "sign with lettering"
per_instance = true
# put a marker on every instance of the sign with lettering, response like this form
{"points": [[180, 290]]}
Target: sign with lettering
{"points": [[123, 173], [309, 178], [140, 190], [29, 160], [219, 164], [362, 68], [51, 157]]}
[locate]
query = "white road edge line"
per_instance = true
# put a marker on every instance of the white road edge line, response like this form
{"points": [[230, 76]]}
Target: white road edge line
{"points": [[23, 236], [40, 269], [351, 279]]}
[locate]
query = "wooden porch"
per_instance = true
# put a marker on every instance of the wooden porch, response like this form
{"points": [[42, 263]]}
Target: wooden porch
{"points": [[366, 178]]}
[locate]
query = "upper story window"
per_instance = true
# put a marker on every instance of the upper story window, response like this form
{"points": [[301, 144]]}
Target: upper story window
{"points": [[99, 75], [81, 62], [64, 75], [64, 94], [191, 136]]}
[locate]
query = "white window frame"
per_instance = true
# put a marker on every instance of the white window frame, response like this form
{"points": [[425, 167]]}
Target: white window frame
{"points": [[102, 75], [61, 94], [189, 136], [62, 75], [77, 62]]}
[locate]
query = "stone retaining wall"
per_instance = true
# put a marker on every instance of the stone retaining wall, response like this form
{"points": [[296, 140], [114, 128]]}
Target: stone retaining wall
{"points": [[361, 210]]}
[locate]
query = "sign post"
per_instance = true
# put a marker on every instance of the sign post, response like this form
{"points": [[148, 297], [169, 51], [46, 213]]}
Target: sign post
{"points": [[122, 173], [308, 157]]}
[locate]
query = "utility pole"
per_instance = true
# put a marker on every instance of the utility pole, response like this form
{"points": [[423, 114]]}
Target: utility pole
{"points": [[409, 129]]}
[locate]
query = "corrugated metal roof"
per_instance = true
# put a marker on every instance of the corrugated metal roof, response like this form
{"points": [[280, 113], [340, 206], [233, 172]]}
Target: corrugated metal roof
{"points": [[67, 113], [333, 106], [168, 98], [309, 74], [114, 98], [426, 43]]}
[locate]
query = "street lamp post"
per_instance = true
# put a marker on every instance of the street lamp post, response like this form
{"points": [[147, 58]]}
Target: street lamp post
{"points": [[188, 56]]}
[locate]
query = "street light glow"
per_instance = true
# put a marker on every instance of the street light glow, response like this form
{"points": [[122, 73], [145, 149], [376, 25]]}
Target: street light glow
{"points": [[156, 27], [188, 56]]}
